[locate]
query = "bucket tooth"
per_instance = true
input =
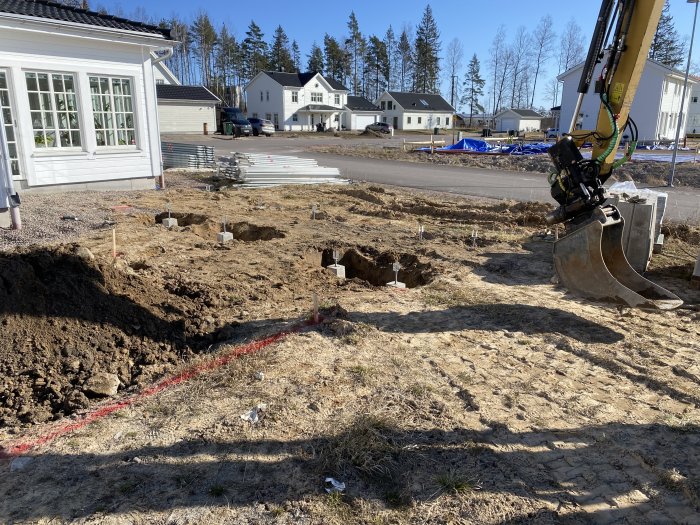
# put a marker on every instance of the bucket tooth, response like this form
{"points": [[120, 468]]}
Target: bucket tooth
{"points": [[590, 262]]}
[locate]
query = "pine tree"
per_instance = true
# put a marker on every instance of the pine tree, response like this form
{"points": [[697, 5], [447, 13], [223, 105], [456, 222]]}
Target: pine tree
{"points": [[406, 63], [336, 59], [254, 50], [228, 65], [666, 46], [280, 57], [315, 59], [356, 45], [473, 87], [391, 48], [204, 38], [377, 61], [296, 56], [427, 54]]}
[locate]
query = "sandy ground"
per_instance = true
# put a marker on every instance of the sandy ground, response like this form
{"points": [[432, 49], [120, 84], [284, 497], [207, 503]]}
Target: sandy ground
{"points": [[481, 394]]}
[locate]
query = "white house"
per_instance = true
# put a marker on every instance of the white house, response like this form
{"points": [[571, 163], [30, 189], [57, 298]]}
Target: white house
{"points": [[296, 101], [518, 120], [163, 75], [693, 108], [186, 109], [415, 110], [78, 97], [655, 107], [359, 113]]}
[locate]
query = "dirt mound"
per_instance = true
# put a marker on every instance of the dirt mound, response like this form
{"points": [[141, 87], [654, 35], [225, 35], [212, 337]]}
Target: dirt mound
{"points": [[370, 133], [68, 319], [376, 268]]}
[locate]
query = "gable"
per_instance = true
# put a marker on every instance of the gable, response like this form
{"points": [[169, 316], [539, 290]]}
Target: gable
{"points": [[421, 102]]}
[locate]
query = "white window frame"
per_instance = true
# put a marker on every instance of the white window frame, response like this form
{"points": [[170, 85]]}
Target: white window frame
{"points": [[317, 96], [408, 120], [113, 112], [295, 96], [295, 118], [13, 145], [53, 111], [337, 99]]}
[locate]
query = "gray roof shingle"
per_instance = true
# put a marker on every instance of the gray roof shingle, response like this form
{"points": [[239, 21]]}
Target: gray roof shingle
{"points": [[414, 101], [173, 92], [301, 79], [526, 112], [63, 13], [360, 104]]}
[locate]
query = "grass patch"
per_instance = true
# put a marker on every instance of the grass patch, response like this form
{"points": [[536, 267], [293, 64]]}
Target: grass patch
{"points": [[454, 483], [361, 374], [217, 490]]}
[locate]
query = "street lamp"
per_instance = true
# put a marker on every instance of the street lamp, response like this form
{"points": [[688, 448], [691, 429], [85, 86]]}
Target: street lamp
{"points": [[685, 87]]}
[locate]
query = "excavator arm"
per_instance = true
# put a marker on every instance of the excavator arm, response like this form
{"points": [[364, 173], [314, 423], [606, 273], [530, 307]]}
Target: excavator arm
{"points": [[589, 258]]}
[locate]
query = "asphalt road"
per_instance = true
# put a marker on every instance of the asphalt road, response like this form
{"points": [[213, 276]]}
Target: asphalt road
{"points": [[683, 203]]}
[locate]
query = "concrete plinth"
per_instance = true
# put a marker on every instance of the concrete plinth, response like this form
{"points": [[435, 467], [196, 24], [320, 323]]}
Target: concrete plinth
{"points": [[638, 237], [695, 279], [337, 269], [5, 219], [224, 237], [169, 223], [396, 284]]}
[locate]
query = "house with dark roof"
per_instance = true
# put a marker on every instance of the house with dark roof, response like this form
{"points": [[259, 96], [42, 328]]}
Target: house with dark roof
{"points": [[415, 111], [360, 113], [186, 109], [656, 107], [297, 101], [518, 119], [78, 97]]}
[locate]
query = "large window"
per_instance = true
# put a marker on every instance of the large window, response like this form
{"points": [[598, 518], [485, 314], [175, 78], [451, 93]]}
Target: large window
{"points": [[316, 97], [295, 96], [7, 120], [54, 110], [113, 111], [337, 100]]}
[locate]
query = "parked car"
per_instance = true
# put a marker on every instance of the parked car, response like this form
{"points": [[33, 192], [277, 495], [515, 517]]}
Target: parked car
{"points": [[227, 114], [552, 133], [262, 126], [381, 127], [242, 127]]}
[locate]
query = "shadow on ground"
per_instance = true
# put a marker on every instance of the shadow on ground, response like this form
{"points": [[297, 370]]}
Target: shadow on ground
{"points": [[554, 472]]}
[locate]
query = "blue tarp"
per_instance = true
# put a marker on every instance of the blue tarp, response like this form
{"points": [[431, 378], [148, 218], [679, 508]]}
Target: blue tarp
{"points": [[480, 146]]}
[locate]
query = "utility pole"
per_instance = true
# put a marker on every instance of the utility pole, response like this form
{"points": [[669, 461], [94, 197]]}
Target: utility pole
{"points": [[452, 93]]}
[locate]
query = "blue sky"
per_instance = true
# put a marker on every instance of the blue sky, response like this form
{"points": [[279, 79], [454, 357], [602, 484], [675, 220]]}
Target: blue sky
{"points": [[473, 23]]}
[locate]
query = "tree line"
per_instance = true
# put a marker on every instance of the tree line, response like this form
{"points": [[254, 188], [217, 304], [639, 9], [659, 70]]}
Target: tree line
{"points": [[398, 60]]}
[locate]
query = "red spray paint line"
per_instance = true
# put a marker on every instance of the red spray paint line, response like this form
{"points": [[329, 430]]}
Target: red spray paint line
{"points": [[22, 447]]}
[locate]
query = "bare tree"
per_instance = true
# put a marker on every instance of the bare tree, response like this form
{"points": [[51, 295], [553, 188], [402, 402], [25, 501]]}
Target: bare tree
{"points": [[519, 52], [571, 50], [542, 46], [497, 62], [453, 62]]}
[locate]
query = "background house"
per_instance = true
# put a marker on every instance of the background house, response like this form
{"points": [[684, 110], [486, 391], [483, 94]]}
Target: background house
{"points": [[692, 125], [655, 108], [186, 109], [518, 120], [419, 111], [296, 101], [359, 113], [78, 97]]}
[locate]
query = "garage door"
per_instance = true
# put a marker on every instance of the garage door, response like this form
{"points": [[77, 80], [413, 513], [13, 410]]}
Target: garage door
{"points": [[508, 123], [185, 118], [361, 121]]}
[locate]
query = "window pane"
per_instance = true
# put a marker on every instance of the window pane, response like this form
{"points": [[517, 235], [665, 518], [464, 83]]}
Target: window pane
{"points": [[131, 136], [65, 139], [36, 120], [121, 137], [75, 138], [39, 140], [10, 134], [48, 120], [104, 85], [96, 104], [71, 103], [58, 83], [129, 121], [63, 120], [110, 139], [31, 82], [70, 88], [126, 86], [4, 98], [3, 81], [120, 121], [34, 102], [94, 85], [106, 104], [73, 119], [43, 81], [12, 150], [118, 104], [6, 115], [46, 102], [99, 121]]}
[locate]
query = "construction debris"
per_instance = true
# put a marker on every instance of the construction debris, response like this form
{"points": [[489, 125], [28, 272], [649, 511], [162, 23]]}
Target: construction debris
{"points": [[179, 155], [259, 169]]}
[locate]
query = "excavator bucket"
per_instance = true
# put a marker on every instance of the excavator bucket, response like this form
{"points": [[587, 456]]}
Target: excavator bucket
{"points": [[590, 262]]}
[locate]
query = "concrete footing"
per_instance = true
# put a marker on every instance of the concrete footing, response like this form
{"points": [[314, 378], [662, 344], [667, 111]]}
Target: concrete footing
{"points": [[337, 269], [169, 223], [396, 284], [695, 279], [224, 237], [5, 218]]}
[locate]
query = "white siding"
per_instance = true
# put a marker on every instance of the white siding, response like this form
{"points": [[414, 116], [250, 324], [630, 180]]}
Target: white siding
{"points": [[428, 119], [26, 50], [179, 117]]}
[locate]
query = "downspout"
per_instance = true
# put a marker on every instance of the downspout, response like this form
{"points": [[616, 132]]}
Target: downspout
{"points": [[12, 197], [159, 58]]}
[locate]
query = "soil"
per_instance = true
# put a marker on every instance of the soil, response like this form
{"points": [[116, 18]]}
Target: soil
{"points": [[470, 397], [645, 172]]}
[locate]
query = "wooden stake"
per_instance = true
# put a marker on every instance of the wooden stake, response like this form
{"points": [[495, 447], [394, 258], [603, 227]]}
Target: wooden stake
{"points": [[314, 298], [114, 243]]}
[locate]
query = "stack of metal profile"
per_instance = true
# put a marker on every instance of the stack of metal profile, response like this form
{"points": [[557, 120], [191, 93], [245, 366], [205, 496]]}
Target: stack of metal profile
{"points": [[227, 167], [179, 155], [259, 169]]}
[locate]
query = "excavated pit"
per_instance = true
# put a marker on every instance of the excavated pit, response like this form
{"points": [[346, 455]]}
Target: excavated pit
{"points": [[183, 219], [245, 231], [375, 267]]}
